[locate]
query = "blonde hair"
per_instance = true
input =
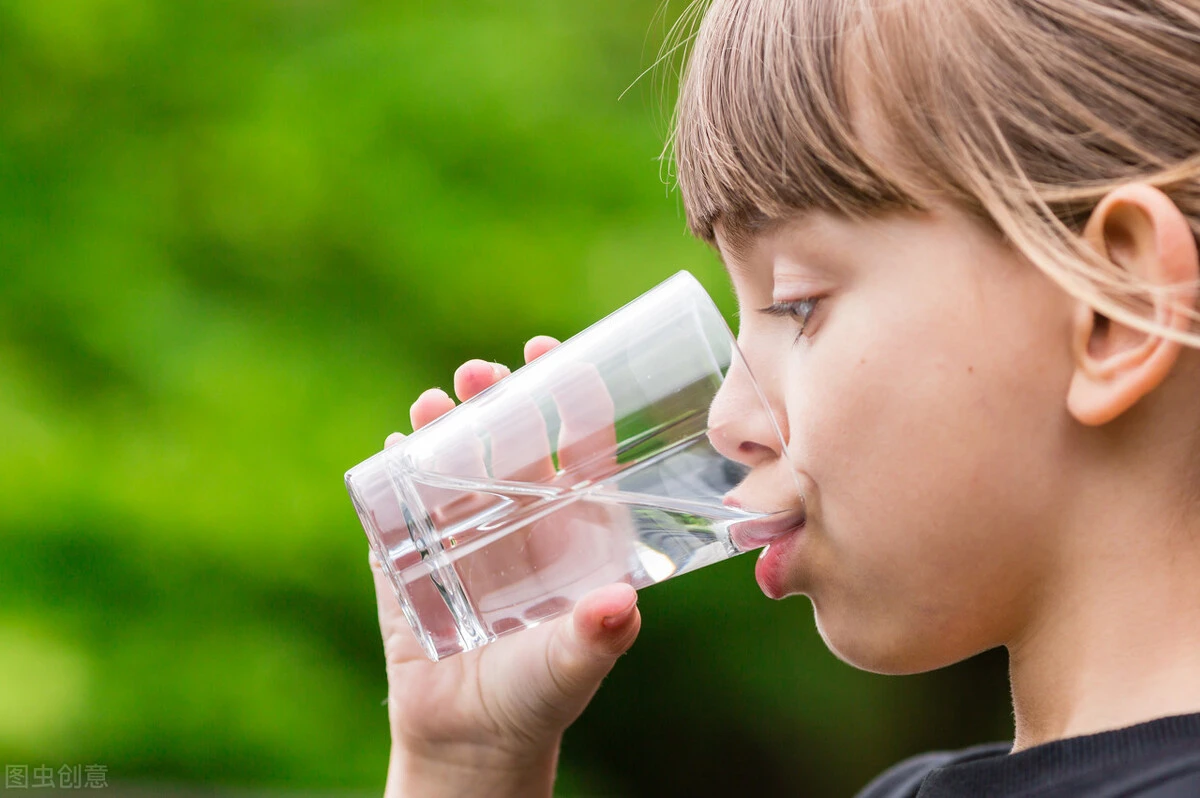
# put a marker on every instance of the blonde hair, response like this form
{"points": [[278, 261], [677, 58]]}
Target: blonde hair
{"points": [[1025, 113]]}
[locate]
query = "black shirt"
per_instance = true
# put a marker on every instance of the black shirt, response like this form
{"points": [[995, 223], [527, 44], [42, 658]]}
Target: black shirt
{"points": [[1158, 759]]}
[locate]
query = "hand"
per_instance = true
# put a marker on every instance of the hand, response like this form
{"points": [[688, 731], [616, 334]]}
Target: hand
{"points": [[489, 721]]}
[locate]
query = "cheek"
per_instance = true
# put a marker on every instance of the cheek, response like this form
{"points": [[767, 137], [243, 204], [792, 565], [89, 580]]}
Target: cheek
{"points": [[927, 435], [887, 396]]}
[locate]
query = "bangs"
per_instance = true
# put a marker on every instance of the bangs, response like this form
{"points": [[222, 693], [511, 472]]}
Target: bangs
{"points": [[763, 127]]}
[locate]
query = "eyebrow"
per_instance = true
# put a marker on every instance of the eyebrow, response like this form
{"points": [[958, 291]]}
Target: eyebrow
{"points": [[815, 247], [740, 239]]}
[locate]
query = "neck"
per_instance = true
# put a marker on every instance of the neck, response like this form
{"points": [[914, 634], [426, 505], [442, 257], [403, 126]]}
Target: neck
{"points": [[1117, 640]]}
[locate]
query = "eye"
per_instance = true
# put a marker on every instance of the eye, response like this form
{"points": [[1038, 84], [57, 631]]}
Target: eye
{"points": [[799, 309]]}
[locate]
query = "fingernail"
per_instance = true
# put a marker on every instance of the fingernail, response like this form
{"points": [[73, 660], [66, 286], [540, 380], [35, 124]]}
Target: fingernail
{"points": [[613, 621]]}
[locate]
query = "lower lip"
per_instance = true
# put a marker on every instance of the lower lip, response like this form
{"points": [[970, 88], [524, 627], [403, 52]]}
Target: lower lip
{"points": [[770, 570]]}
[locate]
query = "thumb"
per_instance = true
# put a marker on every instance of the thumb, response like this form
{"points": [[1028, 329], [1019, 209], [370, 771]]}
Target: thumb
{"points": [[603, 626]]}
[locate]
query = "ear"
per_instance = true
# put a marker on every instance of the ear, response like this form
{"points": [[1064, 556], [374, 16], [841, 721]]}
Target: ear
{"points": [[1141, 231]]}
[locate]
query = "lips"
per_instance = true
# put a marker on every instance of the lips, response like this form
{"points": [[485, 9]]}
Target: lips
{"points": [[772, 569], [783, 534]]}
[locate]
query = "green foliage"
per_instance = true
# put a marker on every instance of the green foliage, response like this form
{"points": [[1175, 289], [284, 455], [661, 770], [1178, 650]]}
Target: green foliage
{"points": [[238, 239]]}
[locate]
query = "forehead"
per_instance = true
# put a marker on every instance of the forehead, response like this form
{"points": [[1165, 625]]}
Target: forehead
{"points": [[814, 237], [773, 118]]}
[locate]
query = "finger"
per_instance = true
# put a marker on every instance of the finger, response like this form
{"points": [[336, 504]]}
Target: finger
{"points": [[457, 453], [519, 451], [537, 346], [393, 439], [587, 438], [520, 441], [612, 605], [476, 376], [567, 657], [460, 454], [604, 624], [429, 405]]}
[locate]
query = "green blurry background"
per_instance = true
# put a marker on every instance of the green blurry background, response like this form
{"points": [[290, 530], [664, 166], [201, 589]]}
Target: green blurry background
{"points": [[237, 240]]}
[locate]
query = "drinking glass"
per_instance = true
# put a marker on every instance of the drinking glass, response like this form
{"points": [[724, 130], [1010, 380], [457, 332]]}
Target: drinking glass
{"points": [[591, 465]]}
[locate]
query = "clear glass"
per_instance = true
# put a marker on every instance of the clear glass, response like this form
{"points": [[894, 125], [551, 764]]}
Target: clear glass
{"points": [[591, 465]]}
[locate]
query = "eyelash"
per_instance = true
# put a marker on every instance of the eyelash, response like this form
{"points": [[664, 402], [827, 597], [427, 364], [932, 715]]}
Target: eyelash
{"points": [[799, 309]]}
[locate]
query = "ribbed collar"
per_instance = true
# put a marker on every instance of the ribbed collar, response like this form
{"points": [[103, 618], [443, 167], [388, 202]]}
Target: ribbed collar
{"points": [[990, 770]]}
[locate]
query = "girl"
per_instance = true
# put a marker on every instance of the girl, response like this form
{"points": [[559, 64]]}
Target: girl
{"points": [[962, 237]]}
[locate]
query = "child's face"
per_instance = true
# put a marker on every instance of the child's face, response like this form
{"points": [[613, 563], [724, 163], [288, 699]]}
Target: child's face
{"points": [[924, 412]]}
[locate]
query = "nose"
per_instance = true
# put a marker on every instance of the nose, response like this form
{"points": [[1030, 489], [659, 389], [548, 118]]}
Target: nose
{"points": [[741, 422]]}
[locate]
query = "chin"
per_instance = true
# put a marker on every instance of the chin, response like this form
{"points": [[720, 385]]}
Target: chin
{"points": [[884, 647]]}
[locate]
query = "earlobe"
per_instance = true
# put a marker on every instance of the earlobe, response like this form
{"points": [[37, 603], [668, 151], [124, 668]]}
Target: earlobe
{"points": [[1141, 232]]}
